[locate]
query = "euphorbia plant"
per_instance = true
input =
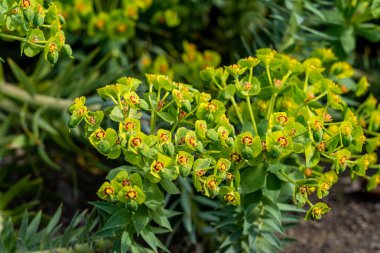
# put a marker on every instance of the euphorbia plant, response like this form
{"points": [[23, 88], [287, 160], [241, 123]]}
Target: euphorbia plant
{"points": [[37, 25], [273, 121]]}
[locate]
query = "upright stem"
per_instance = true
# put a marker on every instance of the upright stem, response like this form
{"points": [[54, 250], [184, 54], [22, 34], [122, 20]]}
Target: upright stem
{"points": [[217, 83], [269, 76], [273, 97], [285, 78], [232, 99], [306, 82], [248, 100], [271, 105], [251, 114], [153, 120], [237, 110]]}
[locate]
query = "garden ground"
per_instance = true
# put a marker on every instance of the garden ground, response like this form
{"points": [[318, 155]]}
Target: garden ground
{"points": [[352, 226]]}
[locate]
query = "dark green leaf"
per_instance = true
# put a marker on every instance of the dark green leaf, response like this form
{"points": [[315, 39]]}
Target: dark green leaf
{"points": [[140, 219], [252, 179], [149, 237], [169, 186]]}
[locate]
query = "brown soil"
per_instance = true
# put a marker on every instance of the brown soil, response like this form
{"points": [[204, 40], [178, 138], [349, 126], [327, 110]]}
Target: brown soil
{"points": [[352, 226]]}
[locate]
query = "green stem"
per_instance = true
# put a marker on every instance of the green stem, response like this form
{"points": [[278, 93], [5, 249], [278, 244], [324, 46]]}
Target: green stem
{"points": [[153, 120], [306, 82], [190, 113], [291, 180], [250, 75], [237, 110], [332, 123], [317, 173], [165, 95], [167, 105], [41, 42], [251, 114], [201, 180], [216, 83], [271, 105], [371, 132], [248, 100], [317, 98], [308, 201], [361, 107], [34, 44], [285, 78], [173, 128], [114, 100], [150, 87], [119, 101], [268, 75], [327, 156], [12, 37]]}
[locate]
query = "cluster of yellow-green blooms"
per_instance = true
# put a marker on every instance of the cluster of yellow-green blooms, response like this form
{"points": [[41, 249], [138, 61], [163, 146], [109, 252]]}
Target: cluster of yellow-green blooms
{"points": [[113, 20], [124, 188], [187, 68], [195, 137], [37, 24], [203, 149], [100, 20], [304, 97]]}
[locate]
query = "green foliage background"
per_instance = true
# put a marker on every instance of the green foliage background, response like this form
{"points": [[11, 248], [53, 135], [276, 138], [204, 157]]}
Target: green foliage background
{"points": [[174, 38]]}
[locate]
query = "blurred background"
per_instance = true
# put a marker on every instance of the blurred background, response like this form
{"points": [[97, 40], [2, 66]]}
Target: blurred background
{"points": [[44, 165]]}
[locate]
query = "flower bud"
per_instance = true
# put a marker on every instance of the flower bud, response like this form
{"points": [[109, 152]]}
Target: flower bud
{"points": [[346, 140], [67, 51], [275, 152], [53, 57], [38, 20], [246, 152], [318, 135], [104, 146], [186, 106], [212, 134], [308, 172], [184, 171], [230, 141], [169, 149], [210, 117], [199, 147]]}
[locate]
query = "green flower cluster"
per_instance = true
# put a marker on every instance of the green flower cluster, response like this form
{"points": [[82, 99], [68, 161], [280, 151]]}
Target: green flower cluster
{"points": [[203, 150], [123, 188], [188, 68], [103, 20], [278, 108], [37, 24]]}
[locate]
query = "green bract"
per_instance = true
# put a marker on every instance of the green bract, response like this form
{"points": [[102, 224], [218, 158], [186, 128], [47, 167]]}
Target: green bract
{"points": [[283, 118]]}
